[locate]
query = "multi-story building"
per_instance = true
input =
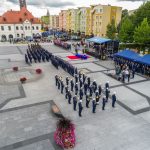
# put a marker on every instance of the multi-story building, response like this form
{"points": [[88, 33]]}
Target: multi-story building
{"points": [[101, 16], [73, 21], [18, 24], [83, 21], [54, 22], [62, 20], [68, 20]]}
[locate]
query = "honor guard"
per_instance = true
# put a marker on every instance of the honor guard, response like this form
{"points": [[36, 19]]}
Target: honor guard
{"points": [[76, 89], [69, 97], [94, 104], [107, 85], [62, 86], [88, 98], [67, 80], [72, 85], [99, 89], [66, 92], [114, 99], [85, 88], [88, 81], [75, 100], [81, 93], [80, 108], [56, 79], [94, 85], [103, 103], [80, 80], [76, 78], [107, 94]]}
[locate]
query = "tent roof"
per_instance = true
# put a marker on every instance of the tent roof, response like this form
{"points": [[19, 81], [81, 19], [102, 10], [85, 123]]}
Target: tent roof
{"points": [[131, 55], [98, 40]]}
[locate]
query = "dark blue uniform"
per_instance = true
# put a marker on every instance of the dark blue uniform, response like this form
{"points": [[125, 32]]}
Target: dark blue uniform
{"points": [[72, 85], [107, 85], [76, 78], [103, 103], [99, 89], [88, 98], [67, 81], [74, 103], [66, 92], [113, 100], [81, 94], [84, 78], [94, 104], [62, 87], [56, 79], [80, 109], [107, 94], [94, 86], [80, 80], [85, 88], [88, 81], [76, 89], [69, 97]]}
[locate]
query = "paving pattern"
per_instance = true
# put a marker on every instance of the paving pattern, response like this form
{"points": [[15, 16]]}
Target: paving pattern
{"points": [[27, 123]]}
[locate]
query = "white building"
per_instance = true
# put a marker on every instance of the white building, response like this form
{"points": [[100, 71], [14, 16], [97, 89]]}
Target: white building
{"points": [[18, 24]]}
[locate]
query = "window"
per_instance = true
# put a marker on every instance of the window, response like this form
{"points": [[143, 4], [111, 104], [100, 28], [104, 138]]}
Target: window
{"points": [[17, 28], [21, 28], [37, 28], [28, 27], [9, 28], [17, 35], [32, 27], [2, 28], [25, 27]]}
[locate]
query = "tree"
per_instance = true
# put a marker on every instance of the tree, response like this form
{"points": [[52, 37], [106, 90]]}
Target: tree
{"points": [[142, 12], [142, 33], [124, 13], [111, 30], [126, 31]]}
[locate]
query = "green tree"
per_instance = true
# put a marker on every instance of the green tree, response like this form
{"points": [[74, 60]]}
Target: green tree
{"points": [[124, 13], [126, 31], [142, 12], [142, 33], [111, 30]]}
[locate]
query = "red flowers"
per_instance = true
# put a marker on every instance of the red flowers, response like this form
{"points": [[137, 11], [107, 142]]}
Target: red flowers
{"points": [[23, 79], [15, 68], [38, 71]]}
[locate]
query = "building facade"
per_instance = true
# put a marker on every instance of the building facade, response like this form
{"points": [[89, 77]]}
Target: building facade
{"points": [[54, 22], [83, 20], [18, 24], [73, 21], [101, 16], [62, 20]]}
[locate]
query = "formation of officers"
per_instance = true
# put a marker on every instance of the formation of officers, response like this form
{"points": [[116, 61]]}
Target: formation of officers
{"points": [[35, 53], [82, 87]]}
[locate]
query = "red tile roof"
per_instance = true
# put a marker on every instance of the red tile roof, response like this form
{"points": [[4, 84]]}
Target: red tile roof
{"points": [[18, 17]]}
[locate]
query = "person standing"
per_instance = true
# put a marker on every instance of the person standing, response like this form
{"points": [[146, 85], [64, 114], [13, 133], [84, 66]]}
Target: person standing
{"points": [[67, 80], [99, 89], [76, 78], [72, 85], [80, 80], [85, 88], [56, 79], [75, 100], [94, 104], [114, 99], [107, 84], [66, 92], [87, 100], [107, 94], [103, 103], [69, 97], [88, 81], [62, 87], [81, 93], [128, 76], [76, 89], [80, 108]]}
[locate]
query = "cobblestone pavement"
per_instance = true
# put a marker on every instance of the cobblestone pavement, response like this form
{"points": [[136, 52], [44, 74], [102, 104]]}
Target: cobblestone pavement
{"points": [[27, 123]]}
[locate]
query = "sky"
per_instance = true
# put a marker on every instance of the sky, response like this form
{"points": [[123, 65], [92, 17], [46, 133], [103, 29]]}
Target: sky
{"points": [[39, 7]]}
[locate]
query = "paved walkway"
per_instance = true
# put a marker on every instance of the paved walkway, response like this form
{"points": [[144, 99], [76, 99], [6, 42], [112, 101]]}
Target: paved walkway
{"points": [[27, 122]]}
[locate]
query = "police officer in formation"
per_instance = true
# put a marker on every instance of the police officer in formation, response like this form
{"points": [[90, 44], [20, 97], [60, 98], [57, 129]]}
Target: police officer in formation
{"points": [[75, 100], [91, 90]]}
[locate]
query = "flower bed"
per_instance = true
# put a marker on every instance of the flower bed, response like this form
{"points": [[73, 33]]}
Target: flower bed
{"points": [[15, 68], [64, 134], [23, 79], [38, 71]]}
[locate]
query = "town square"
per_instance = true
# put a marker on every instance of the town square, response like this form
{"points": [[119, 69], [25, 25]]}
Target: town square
{"points": [[77, 85]]}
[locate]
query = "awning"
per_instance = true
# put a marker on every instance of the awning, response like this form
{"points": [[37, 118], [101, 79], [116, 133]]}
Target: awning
{"points": [[99, 40]]}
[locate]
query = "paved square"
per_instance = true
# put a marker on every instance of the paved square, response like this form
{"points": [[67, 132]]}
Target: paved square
{"points": [[90, 66], [26, 122]]}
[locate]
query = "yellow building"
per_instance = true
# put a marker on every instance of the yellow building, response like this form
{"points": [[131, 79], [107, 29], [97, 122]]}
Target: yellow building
{"points": [[68, 20], [54, 21], [83, 19], [101, 16], [73, 21]]}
